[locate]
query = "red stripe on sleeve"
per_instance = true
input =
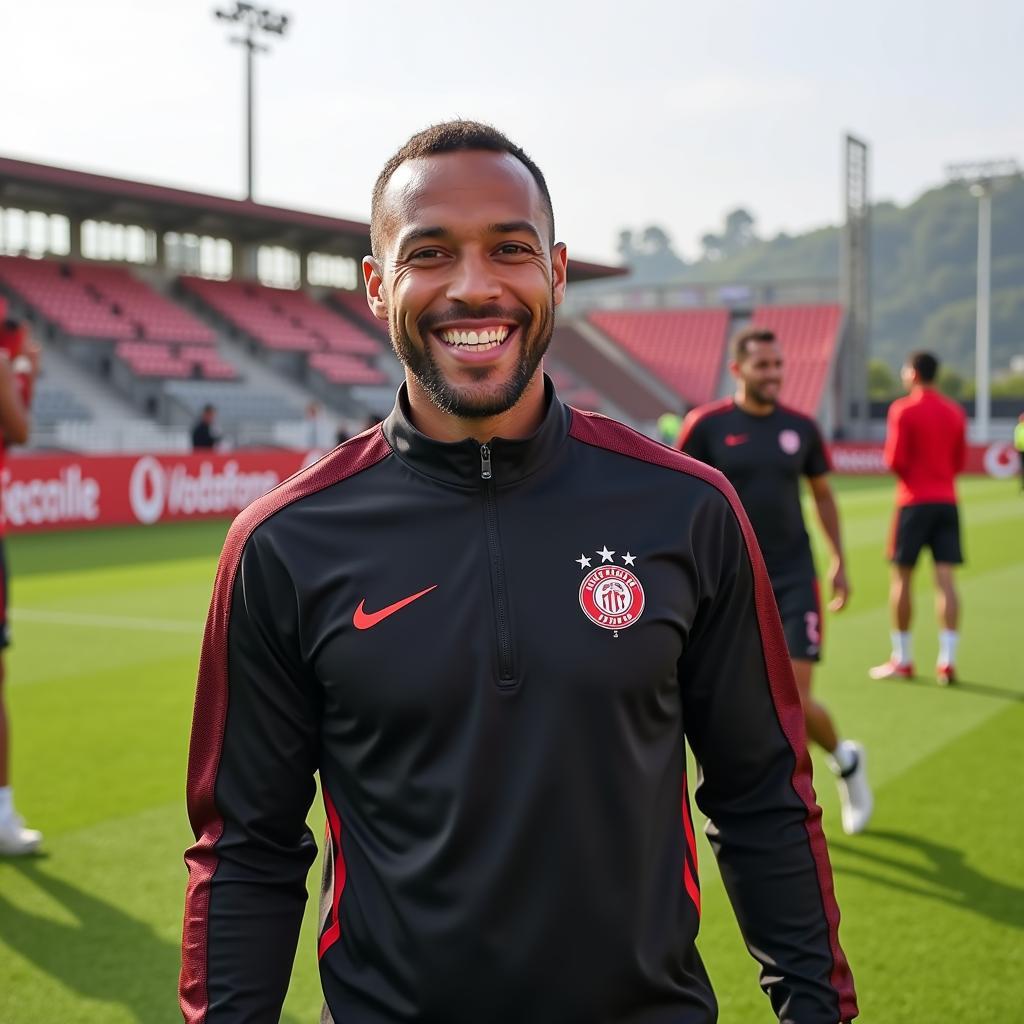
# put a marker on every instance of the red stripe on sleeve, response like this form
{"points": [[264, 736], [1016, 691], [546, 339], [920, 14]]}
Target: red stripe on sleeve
{"points": [[698, 413], [211, 703], [333, 930], [690, 875], [601, 432]]}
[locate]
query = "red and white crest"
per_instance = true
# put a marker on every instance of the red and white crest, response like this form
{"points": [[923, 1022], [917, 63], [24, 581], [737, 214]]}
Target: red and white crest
{"points": [[612, 597], [789, 441]]}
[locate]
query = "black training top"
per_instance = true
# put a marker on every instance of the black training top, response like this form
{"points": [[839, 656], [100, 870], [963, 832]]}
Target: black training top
{"points": [[492, 655], [764, 458]]}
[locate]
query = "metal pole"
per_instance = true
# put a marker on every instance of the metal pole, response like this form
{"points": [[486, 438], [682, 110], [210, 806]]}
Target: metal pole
{"points": [[250, 173], [982, 376]]}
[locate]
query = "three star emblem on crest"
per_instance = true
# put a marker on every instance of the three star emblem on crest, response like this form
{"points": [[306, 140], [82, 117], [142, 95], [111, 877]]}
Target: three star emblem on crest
{"points": [[611, 595]]}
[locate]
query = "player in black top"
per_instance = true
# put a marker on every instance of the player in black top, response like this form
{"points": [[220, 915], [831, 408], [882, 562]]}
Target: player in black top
{"points": [[489, 624], [764, 449]]}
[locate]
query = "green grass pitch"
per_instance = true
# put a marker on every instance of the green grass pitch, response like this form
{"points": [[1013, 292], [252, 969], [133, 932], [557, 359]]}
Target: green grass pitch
{"points": [[101, 678]]}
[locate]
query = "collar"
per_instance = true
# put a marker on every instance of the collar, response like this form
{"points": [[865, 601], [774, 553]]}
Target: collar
{"points": [[460, 462]]}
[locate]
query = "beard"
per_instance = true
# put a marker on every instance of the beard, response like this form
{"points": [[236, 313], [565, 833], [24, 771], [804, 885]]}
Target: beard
{"points": [[759, 395], [481, 400]]}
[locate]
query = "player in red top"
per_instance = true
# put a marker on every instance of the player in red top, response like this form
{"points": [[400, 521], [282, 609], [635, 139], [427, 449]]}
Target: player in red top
{"points": [[19, 363], [925, 446]]}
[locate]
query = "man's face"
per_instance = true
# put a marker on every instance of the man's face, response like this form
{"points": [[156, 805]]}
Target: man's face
{"points": [[468, 278], [908, 375], [760, 370]]}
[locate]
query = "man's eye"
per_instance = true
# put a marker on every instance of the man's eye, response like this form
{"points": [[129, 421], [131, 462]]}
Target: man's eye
{"points": [[426, 254], [512, 249]]}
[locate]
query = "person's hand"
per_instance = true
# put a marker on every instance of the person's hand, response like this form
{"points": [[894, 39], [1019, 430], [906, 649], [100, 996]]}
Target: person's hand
{"points": [[840, 587]]}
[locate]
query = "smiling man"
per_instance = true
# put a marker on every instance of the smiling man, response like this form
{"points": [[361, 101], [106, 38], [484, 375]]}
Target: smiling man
{"points": [[764, 448], [497, 700]]}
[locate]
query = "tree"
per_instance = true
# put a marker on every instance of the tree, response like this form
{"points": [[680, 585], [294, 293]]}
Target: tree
{"points": [[882, 382]]}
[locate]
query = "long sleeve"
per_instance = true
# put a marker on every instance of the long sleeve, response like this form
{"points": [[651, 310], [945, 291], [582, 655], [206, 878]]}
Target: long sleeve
{"points": [[896, 454], [252, 761], [743, 720]]}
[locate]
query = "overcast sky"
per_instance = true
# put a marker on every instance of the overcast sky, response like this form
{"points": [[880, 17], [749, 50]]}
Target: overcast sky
{"points": [[637, 111]]}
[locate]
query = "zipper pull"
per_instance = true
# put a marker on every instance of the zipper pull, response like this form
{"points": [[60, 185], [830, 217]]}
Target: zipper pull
{"points": [[485, 462]]}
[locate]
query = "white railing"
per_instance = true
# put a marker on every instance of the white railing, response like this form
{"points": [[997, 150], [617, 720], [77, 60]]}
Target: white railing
{"points": [[124, 436]]}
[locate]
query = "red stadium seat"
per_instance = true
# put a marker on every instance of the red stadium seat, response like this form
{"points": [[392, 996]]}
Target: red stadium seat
{"points": [[684, 348], [808, 336]]}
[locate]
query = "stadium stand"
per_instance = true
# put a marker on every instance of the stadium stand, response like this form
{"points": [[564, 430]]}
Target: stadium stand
{"points": [[94, 301], [281, 320], [809, 336], [684, 348], [635, 392], [571, 389], [52, 404], [341, 368], [159, 318], [54, 294], [234, 405], [353, 305]]}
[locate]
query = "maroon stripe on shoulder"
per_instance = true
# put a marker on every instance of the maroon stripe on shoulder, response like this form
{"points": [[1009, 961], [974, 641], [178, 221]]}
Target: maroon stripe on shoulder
{"points": [[601, 432], [699, 413], [209, 716]]}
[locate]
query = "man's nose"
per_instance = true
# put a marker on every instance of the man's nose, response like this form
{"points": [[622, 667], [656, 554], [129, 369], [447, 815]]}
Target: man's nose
{"points": [[474, 281]]}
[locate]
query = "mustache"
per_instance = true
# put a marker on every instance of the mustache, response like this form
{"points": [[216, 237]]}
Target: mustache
{"points": [[428, 321]]}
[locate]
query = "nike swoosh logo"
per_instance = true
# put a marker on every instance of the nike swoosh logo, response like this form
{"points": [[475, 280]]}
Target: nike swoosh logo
{"points": [[731, 440], [363, 619]]}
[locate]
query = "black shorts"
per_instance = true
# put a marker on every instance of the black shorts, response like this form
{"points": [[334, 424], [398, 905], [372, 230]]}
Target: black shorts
{"points": [[935, 525], [799, 601]]}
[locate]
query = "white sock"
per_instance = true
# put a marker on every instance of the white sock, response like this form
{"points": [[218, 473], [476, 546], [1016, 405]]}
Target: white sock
{"points": [[901, 647], [6, 802], [948, 639], [844, 757]]}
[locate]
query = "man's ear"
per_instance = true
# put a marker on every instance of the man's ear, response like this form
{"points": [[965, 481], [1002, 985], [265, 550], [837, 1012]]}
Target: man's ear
{"points": [[376, 296], [734, 368], [559, 270]]}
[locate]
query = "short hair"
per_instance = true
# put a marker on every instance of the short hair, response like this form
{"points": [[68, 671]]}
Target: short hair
{"points": [[451, 137], [924, 364], [208, 408], [742, 339]]}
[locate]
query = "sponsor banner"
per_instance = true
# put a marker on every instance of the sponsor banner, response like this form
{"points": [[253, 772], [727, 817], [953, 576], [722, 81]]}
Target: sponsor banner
{"points": [[53, 492], [998, 459]]}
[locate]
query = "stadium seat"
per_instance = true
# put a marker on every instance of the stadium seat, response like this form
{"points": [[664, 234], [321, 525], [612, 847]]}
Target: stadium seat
{"points": [[809, 336], [684, 348]]}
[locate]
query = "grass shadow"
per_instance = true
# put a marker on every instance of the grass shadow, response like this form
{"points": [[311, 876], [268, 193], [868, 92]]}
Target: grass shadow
{"points": [[104, 955], [946, 877]]}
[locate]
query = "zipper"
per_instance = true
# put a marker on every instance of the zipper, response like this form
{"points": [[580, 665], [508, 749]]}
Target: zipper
{"points": [[506, 677]]}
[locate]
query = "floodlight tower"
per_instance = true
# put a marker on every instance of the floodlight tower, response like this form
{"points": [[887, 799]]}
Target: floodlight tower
{"points": [[253, 19], [983, 178]]}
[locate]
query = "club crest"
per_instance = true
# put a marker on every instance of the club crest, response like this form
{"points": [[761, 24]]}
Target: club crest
{"points": [[789, 441], [611, 595]]}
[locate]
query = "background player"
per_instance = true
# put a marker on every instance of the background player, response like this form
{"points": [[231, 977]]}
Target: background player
{"points": [[925, 446], [19, 363], [764, 449]]}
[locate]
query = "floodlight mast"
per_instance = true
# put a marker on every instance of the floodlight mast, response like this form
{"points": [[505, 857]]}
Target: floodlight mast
{"points": [[983, 178], [253, 19]]}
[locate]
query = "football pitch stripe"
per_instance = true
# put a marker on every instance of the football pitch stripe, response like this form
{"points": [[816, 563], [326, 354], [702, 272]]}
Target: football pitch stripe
{"points": [[61, 618]]}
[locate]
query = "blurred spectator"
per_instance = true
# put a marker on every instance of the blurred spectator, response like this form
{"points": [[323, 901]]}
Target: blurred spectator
{"points": [[202, 433], [19, 365], [318, 427]]}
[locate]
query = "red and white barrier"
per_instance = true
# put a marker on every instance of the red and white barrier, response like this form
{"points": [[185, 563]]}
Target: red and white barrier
{"points": [[998, 459], [54, 492]]}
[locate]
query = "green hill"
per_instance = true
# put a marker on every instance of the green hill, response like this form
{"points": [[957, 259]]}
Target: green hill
{"points": [[923, 277]]}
